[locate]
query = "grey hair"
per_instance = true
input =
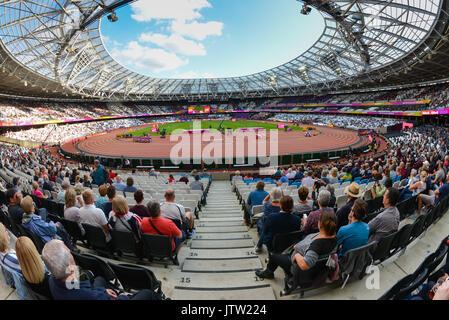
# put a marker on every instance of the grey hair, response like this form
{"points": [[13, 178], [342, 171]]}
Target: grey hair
{"points": [[324, 197], [276, 195], [57, 259], [331, 189]]}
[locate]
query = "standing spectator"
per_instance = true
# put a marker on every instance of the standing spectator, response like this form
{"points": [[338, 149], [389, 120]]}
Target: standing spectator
{"points": [[99, 175], [139, 208]]}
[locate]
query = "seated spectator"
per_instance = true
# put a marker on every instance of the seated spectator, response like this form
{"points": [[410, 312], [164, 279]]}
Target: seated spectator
{"points": [[102, 199], [139, 208], [16, 183], [37, 192], [86, 182], [89, 214], [176, 212], [33, 269], [271, 204], [35, 224], [347, 175], [111, 193], [171, 179], [356, 233], [71, 210], [283, 179], [15, 211], [305, 203], [8, 256], [353, 192], [130, 185], [282, 222], [443, 191], [333, 199], [79, 192], [308, 180], [378, 190], [307, 251], [156, 224], [388, 220], [67, 284], [61, 194], [198, 185], [256, 197], [310, 224], [184, 179], [333, 177], [122, 220], [119, 184], [47, 186]]}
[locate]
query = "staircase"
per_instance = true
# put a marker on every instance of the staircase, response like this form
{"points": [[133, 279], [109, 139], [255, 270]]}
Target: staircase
{"points": [[221, 261]]}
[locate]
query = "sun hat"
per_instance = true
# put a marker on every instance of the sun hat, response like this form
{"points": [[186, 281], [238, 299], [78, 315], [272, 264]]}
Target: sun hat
{"points": [[353, 190]]}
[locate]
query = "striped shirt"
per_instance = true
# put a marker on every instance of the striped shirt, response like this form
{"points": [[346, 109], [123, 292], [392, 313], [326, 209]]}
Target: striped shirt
{"points": [[10, 260]]}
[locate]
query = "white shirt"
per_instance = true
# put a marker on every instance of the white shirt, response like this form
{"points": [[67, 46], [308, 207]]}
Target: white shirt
{"points": [[174, 211], [89, 214], [307, 182]]}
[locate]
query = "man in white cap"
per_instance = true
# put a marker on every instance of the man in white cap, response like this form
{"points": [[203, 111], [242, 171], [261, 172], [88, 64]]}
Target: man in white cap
{"points": [[353, 192]]}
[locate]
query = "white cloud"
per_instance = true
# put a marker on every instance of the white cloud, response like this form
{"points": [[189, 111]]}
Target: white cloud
{"points": [[174, 43], [192, 75], [147, 10], [197, 30], [147, 58]]}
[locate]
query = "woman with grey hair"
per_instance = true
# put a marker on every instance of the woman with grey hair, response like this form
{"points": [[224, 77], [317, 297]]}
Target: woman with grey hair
{"points": [[271, 204], [310, 224]]}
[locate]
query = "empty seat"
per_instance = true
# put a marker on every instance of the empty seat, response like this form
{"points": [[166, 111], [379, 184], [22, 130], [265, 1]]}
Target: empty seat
{"points": [[158, 246], [134, 277], [124, 241], [97, 239]]}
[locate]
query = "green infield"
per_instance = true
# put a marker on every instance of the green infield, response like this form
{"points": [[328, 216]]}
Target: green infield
{"points": [[209, 124]]}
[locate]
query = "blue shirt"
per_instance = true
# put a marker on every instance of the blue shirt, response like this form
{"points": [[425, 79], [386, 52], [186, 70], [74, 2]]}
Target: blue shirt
{"points": [[46, 231], [352, 236], [86, 291], [130, 189], [277, 223], [284, 179], [119, 186], [444, 192], [256, 197], [268, 209]]}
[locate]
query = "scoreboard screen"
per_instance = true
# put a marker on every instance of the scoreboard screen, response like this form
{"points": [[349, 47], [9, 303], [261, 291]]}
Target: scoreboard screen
{"points": [[199, 110]]}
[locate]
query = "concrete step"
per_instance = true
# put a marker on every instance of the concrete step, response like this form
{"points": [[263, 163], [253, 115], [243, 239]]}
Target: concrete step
{"points": [[220, 229], [247, 264], [221, 214], [221, 254], [221, 236], [217, 224], [221, 219], [223, 244], [217, 280], [263, 292]]}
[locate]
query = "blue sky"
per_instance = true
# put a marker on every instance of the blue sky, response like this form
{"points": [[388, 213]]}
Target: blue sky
{"points": [[209, 38]]}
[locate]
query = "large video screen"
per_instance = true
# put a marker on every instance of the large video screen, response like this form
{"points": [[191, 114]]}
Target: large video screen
{"points": [[198, 110]]}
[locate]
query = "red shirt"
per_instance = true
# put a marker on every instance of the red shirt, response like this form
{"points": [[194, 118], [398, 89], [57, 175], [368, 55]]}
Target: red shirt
{"points": [[165, 226]]}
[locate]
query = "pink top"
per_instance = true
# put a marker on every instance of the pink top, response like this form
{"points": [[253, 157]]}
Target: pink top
{"points": [[38, 194]]}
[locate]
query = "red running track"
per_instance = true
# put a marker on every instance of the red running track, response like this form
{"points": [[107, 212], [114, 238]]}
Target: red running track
{"points": [[107, 145]]}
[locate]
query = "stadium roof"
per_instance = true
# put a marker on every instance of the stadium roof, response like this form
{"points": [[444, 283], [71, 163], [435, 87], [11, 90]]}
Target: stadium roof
{"points": [[55, 48]]}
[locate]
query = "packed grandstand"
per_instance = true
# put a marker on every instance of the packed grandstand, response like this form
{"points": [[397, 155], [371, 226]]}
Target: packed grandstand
{"points": [[360, 213]]}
